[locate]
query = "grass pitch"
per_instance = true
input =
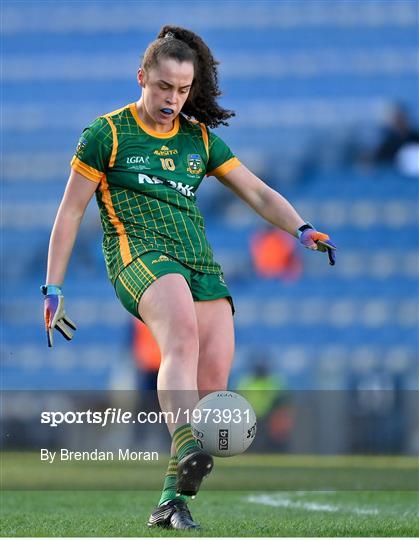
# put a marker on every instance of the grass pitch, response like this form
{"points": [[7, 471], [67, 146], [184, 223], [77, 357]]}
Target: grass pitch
{"points": [[249, 495], [124, 513]]}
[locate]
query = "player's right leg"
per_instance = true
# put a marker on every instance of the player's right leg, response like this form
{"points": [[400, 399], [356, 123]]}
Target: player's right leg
{"points": [[168, 310], [155, 289]]}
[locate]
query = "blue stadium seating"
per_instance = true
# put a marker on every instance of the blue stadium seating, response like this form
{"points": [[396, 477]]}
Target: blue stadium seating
{"points": [[47, 125]]}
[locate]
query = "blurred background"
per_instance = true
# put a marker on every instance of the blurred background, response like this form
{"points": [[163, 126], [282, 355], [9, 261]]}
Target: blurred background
{"points": [[326, 101]]}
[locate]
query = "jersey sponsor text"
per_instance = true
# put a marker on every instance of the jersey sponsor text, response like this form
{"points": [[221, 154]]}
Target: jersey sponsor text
{"points": [[185, 189]]}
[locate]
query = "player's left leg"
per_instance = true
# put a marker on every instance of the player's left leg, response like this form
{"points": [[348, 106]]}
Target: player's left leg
{"points": [[216, 344]]}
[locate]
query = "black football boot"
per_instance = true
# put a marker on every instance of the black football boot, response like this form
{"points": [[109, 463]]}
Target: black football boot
{"points": [[191, 470], [172, 515]]}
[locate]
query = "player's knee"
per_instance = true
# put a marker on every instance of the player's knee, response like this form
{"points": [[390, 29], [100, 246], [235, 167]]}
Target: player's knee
{"points": [[183, 351], [211, 382], [183, 344], [215, 374]]}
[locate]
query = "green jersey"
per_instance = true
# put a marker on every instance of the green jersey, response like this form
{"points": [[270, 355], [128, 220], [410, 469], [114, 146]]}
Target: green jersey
{"points": [[147, 183]]}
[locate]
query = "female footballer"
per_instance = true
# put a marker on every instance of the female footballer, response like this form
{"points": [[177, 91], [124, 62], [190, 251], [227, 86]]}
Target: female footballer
{"points": [[145, 162]]}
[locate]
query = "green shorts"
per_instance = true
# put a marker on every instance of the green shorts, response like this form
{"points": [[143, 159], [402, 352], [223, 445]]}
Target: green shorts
{"points": [[134, 279]]}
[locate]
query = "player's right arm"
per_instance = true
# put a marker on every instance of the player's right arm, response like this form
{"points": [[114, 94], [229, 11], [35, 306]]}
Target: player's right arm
{"points": [[78, 192], [88, 166], [76, 197]]}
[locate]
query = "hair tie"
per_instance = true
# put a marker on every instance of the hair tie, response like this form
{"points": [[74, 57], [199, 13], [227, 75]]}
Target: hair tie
{"points": [[169, 35]]}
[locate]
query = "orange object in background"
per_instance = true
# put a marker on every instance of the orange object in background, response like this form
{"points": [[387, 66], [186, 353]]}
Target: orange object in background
{"points": [[274, 255], [146, 351]]}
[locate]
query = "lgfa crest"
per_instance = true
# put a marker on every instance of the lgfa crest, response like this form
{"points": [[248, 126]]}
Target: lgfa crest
{"points": [[194, 164]]}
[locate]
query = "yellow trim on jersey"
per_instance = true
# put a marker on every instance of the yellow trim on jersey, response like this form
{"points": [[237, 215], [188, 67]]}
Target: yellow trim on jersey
{"points": [[146, 268], [225, 168], [205, 137], [113, 218], [127, 288], [86, 170], [148, 130], [114, 142]]}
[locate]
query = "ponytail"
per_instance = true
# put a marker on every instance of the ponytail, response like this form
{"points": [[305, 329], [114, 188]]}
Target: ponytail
{"points": [[184, 45]]}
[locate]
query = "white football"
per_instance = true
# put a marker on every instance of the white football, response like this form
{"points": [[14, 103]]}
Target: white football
{"points": [[224, 423]]}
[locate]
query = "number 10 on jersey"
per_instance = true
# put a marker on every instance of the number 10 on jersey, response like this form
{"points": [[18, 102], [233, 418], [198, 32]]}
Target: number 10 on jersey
{"points": [[168, 164]]}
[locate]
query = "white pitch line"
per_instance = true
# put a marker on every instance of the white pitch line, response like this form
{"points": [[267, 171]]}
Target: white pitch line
{"points": [[279, 501], [304, 493]]}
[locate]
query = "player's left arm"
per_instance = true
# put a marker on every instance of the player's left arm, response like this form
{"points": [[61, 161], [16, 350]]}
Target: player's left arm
{"points": [[275, 209]]}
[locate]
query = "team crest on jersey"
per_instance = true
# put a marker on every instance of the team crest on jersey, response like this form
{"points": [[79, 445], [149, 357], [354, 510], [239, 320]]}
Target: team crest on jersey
{"points": [[194, 164]]}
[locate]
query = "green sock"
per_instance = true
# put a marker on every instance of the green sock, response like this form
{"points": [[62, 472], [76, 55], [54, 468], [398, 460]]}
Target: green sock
{"points": [[169, 486], [184, 441]]}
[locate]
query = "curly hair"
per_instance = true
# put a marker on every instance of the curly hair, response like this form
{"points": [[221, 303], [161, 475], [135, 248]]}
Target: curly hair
{"points": [[186, 46]]}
